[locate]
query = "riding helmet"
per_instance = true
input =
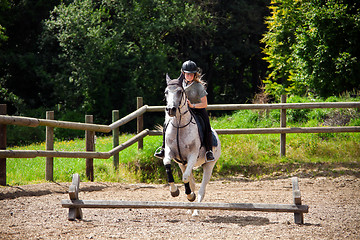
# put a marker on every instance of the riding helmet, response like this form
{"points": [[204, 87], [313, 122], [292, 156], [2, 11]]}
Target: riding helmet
{"points": [[189, 67]]}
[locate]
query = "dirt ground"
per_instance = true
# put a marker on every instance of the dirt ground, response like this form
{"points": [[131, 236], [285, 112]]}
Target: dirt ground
{"points": [[35, 212]]}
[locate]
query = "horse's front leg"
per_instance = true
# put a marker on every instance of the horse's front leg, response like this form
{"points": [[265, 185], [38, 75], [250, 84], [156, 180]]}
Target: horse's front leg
{"points": [[189, 167], [189, 186], [170, 178], [188, 178]]}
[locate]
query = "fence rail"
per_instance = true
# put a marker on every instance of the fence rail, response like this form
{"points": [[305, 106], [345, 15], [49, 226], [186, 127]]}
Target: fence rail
{"points": [[35, 122], [277, 130], [270, 106], [89, 127]]}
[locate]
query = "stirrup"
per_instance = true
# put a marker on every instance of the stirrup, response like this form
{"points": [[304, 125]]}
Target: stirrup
{"points": [[159, 153], [209, 156]]}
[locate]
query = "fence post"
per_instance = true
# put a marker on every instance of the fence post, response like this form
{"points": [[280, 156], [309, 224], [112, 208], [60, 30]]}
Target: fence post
{"points": [[90, 147], [49, 169], [283, 124], [115, 134], [3, 110], [140, 123]]}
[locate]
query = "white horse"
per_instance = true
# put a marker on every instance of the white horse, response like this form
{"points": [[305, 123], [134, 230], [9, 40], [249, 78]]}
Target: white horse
{"points": [[183, 144]]}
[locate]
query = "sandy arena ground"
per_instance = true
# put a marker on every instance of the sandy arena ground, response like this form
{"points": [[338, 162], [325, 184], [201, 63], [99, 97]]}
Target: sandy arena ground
{"points": [[35, 212]]}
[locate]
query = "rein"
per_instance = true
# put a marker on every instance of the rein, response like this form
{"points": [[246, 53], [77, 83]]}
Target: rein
{"points": [[179, 108]]}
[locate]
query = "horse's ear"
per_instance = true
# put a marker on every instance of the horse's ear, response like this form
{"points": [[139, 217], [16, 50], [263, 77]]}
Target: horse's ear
{"points": [[181, 77], [168, 79]]}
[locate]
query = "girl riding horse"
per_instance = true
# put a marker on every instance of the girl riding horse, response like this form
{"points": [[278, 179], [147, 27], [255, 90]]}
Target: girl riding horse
{"points": [[197, 100]]}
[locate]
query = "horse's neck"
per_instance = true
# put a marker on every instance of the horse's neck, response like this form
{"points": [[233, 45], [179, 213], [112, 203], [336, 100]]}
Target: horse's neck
{"points": [[183, 116]]}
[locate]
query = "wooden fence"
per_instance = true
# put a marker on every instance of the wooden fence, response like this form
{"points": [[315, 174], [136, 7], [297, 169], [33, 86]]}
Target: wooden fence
{"points": [[91, 128]]}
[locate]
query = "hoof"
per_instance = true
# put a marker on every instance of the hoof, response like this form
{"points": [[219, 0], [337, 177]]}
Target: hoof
{"points": [[195, 213], [176, 193], [191, 197]]}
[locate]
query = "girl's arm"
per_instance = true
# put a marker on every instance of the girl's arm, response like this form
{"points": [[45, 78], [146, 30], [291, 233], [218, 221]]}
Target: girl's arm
{"points": [[202, 104]]}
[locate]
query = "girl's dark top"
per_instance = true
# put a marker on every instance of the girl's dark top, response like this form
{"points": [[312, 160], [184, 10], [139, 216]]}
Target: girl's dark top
{"points": [[194, 91]]}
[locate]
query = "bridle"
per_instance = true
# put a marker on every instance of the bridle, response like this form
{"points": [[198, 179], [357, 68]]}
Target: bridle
{"points": [[182, 104], [178, 127], [186, 111]]}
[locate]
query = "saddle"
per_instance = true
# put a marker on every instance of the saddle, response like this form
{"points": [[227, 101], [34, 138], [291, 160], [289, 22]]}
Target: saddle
{"points": [[201, 128]]}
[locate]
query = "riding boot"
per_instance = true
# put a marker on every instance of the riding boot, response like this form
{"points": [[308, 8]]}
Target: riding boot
{"points": [[209, 156], [208, 144], [160, 152]]}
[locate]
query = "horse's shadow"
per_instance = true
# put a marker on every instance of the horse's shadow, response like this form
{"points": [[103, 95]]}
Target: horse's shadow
{"points": [[239, 220]]}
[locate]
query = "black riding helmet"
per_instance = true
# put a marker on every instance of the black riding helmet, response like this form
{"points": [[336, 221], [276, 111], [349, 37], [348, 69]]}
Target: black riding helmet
{"points": [[189, 67]]}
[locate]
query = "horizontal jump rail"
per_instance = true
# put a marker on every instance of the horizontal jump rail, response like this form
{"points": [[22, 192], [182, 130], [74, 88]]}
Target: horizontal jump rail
{"points": [[262, 207], [75, 204]]}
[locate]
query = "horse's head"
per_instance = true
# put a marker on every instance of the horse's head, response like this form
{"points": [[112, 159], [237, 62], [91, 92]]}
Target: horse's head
{"points": [[174, 93]]}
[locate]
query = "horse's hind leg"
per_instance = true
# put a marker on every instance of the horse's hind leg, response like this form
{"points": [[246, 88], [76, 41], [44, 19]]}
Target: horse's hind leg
{"points": [[207, 168]]}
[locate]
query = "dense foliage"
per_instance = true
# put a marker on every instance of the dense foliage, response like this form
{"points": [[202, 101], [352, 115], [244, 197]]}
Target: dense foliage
{"points": [[92, 56], [312, 47]]}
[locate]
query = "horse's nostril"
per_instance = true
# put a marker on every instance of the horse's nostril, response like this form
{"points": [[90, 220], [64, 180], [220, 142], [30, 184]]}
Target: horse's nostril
{"points": [[173, 109]]}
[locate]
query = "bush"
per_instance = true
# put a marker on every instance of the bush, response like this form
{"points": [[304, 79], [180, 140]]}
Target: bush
{"points": [[297, 115], [19, 136], [68, 134]]}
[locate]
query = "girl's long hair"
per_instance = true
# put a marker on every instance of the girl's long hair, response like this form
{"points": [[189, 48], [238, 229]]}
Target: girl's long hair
{"points": [[198, 77]]}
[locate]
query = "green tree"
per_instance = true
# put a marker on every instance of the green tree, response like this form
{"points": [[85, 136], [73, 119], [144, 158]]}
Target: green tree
{"points": [[20, 85], [112, 52], [95, 56], [4, 5], [311, 47], [230, 52]]}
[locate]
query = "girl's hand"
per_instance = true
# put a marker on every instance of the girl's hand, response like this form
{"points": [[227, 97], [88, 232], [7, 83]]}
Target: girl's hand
{"points": [[202, 104], [189, 103]]}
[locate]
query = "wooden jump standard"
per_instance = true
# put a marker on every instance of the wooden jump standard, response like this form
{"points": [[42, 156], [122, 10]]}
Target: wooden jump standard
{"points": [[75, 205]]}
